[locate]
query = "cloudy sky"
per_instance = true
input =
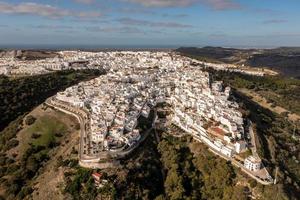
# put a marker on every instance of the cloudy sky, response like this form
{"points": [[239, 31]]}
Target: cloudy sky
{"points": [[261, 23]]}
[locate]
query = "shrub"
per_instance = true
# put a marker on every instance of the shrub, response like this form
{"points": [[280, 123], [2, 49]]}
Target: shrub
{"points": [[35, 135], [24, 192], [29, 120], [11, 144], [58, 134], [77, 126], [253, 183]]}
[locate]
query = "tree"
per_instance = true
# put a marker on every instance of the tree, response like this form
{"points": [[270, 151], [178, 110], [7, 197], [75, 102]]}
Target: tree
{"points": [[29, 120], [11, 144]]}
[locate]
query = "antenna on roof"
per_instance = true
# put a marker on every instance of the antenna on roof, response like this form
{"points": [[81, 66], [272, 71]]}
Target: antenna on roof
{"points": [[294, 131], [275, 179]]}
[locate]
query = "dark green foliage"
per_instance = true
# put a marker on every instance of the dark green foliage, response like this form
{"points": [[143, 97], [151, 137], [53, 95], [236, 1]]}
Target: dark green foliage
{"points": [[21, 174], [183, 180], [218, 176], [80, 185], [35, 135], [74, 186], [144, 178], [18, 96], [204, 176], [284, 92], [9, 133]]}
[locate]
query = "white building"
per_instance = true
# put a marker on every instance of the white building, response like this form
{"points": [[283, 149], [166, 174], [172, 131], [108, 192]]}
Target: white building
{"points": [[252, 163], [240, 146]]}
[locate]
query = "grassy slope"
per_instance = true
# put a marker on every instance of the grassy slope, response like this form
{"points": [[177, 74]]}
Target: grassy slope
{"points": [[18, 174], [47, 127]]}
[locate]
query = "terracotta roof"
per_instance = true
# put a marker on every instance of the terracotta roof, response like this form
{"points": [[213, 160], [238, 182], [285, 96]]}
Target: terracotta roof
{"points": [[218, 131], [96, 175]]}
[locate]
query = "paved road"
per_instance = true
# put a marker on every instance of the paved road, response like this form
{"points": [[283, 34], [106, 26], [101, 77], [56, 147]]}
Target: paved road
{"points": [[79, 116]]}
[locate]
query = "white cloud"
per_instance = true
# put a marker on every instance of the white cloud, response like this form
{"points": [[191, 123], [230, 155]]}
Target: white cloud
{"points": [[43, 10], [214, 4], [163, 3], [125, 29], [136, 22]]}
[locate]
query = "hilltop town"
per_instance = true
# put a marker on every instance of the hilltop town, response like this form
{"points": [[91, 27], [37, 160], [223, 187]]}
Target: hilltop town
{"points": [[110, 107]]}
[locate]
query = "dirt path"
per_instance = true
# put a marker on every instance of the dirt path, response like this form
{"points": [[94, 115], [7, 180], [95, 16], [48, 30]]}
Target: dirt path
{"points": [[264, 103], [50, 184]]}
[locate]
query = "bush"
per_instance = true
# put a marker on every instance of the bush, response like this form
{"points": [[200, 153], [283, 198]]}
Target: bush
{"points": [[77, 126], [35, 135], [58, 134], [253, 183], [2, 160], [29, 120], [11, 144], [24, 192]]}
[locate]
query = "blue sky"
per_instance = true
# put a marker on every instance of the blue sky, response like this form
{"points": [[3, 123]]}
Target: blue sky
{"points": [[255, 23]]}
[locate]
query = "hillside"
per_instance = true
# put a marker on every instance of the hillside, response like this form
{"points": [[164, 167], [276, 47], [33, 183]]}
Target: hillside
{"points": [[284, 60], [21, 95], [278, 136], [173, 168], [29, 156], [288, 65], [28, 54]]}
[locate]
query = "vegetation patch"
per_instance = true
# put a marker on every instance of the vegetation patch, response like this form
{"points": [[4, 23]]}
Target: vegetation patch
{"points": [[19, 96], [196, 176], [277, 138], [17, 174], [47, 127], [281, 91]]}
